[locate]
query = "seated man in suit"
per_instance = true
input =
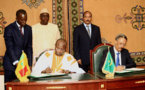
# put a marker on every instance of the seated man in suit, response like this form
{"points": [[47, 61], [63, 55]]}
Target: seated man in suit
{"points": [[56, 61], [120, 55]]}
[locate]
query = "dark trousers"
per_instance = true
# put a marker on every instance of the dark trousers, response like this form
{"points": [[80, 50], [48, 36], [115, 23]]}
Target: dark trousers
{"points": [[9, 75], [86, 68]]}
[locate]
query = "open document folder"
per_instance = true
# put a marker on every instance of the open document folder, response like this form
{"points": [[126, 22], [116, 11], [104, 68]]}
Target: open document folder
{"points": [[130, 70], [47, 75]]}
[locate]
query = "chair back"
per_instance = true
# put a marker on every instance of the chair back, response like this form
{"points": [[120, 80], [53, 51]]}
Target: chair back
{"points": [[96, 56]]}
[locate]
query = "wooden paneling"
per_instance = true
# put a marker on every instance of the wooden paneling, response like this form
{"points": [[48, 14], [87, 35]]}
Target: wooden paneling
{"points": [[94, 83]]}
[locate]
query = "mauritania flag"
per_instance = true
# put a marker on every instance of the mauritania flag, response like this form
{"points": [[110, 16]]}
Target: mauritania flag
{"points": [[23, 70], [109, 66]]}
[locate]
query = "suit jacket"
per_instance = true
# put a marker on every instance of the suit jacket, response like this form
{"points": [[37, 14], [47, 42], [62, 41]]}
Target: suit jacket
{"points": [[82, 43], [126, 60], [15, 42]]}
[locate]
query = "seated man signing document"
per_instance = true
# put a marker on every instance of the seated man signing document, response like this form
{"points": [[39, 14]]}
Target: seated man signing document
{"points": [[56, 61], [120, 55]]}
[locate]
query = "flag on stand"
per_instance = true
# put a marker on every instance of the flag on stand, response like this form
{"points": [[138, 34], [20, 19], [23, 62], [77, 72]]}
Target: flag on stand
{"points": [[109, 66], [23, 69]]}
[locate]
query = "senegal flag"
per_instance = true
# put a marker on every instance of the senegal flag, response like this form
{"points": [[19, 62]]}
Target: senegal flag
{"points": [[109, 66], [23, 70]]}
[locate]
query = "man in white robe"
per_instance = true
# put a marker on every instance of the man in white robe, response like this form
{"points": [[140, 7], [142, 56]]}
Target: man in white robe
{"points": [[44, 34], [56, 61]]}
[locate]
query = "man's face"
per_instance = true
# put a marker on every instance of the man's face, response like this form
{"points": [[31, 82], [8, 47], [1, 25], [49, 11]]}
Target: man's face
{"points": [[44, 17], [59, 49], [22, 19], [120, 44], [87, 18]]}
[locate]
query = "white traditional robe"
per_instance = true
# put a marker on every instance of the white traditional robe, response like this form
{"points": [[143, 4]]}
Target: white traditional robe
{"points": [[44, 38], [56, 63]]}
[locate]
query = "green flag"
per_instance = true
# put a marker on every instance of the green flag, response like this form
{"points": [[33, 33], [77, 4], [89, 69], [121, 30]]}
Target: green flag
{"points": [[109, 66]]}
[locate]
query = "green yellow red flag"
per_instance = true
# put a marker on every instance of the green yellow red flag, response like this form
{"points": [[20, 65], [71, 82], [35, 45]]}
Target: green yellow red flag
{"points": [[23, 69]]}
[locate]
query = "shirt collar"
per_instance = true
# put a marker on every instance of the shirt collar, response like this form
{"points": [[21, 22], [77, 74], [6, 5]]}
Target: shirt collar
{"points": [[87, 25], [59, 56], [115, 50], [18, 24]]}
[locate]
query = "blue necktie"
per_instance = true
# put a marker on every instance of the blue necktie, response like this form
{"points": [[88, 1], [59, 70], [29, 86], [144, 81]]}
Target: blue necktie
{"points": [[117, 61]]}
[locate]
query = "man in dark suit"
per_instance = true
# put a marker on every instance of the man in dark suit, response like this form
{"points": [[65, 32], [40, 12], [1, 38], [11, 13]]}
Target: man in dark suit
{"points": [[85, 37], [18, 38], [120, 55]]}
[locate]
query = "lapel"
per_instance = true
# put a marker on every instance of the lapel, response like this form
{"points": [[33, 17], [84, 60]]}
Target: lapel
{"points": [[18, 38], [16, 28], [21, 38], [112, 53], [85, 31], [25, 35], [122, 57], [18, 33], [92, 31]]}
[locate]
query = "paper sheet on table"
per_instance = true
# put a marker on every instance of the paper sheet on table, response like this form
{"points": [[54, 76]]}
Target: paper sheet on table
{"points": [[134, 69], [46, 75], [129, 70], [123, 71]]}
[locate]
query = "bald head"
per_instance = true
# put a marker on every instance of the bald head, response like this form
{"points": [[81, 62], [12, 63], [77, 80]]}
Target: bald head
{"points": [[60, 47], [61, 41]]}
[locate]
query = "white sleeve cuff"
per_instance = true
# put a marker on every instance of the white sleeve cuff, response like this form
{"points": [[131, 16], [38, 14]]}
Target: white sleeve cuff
{"points": [[15, 62]]}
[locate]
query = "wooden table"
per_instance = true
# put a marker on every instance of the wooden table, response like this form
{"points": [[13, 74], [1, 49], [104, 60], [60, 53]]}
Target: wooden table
{"points": [[134, 80]]}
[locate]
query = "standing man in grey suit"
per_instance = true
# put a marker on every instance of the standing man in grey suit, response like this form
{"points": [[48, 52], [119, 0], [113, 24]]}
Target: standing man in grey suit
{"points": [[18, 38], [85, 37]]}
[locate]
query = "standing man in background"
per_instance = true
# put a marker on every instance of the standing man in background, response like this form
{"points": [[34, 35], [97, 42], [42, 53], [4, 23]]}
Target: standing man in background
{"points": [[18, 38], [85, 37], [44, 35]]}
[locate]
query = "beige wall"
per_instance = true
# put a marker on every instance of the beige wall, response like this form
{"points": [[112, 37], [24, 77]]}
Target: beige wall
{"points": [[104, 13]]}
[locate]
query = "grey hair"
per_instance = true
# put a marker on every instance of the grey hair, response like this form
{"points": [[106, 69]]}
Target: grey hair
{"points": [[121, 36]]}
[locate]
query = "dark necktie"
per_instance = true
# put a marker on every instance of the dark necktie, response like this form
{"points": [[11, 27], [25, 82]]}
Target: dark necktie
{"points": [[21, 30]]}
